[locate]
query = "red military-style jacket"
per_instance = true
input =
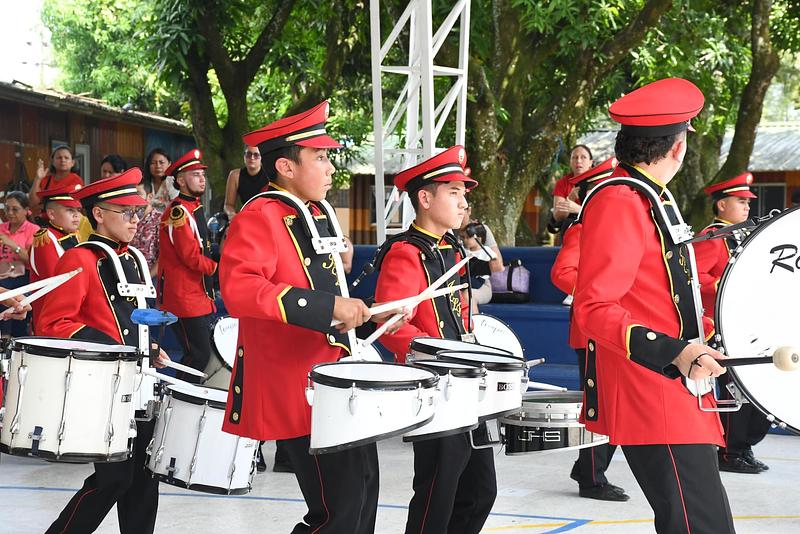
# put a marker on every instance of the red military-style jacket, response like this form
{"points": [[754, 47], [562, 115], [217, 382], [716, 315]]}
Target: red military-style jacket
{"points": [[184, 282], [564, 275], [88, 306], [712, 256], [283, 293], [49, 245], [636, 320], [406, 270]]}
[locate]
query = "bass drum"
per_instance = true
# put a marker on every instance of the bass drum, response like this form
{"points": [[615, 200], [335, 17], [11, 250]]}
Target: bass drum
{"points": [[756, 313], [493, 332], [224, 336]]}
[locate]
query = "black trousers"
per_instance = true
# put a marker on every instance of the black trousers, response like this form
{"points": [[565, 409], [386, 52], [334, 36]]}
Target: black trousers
{"points": [[683, 487], [194, 335], [590, 467], [127, 484], [340, 488], [454, 486], [743, 428]]}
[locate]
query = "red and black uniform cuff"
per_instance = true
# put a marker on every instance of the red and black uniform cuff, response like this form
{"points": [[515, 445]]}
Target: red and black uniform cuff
{"points": [[655, 350], [308, 308]]}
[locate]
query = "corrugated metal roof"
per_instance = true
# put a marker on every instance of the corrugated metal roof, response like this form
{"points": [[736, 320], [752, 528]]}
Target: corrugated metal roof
{"points": [[777, 146]]}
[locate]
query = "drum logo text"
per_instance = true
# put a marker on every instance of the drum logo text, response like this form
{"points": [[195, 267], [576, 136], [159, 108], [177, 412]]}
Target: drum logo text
{"points": [[548, 436], [785, 254], [505, 386], [126, 398]]}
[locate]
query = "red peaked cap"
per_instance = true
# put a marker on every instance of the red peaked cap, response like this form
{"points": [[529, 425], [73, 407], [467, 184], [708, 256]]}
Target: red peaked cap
{"points": [[62, 194], [598, 172], [658, 109], [738, 186], [447, 166], [115, 190], [188, 162], [304, 129]]}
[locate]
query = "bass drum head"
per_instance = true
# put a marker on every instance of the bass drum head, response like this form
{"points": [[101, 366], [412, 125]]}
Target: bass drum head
{"points": [[225, 336], [493, 332], [756, 313]]}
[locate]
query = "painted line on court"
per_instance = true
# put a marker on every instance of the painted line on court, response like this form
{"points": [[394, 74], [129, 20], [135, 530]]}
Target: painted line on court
{"points": [[590, 523]]}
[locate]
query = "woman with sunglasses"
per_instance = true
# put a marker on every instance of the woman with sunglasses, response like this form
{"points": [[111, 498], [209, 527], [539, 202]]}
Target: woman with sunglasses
{"points": [[246, 182]]}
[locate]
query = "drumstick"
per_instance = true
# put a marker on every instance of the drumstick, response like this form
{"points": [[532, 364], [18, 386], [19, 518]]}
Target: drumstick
{"points": [[169, 379], [542, 385], [401, 303], [43, 287], [184, 368], [784, 358]]}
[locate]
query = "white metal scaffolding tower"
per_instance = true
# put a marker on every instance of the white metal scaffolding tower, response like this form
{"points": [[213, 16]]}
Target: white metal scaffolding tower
{"points": [[424, 118]]}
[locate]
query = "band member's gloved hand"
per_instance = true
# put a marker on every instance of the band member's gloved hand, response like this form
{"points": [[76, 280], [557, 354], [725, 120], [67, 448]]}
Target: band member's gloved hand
{"points": [[351, 313], [383, 317], [158, 360], [697, 362], [19, 310]]}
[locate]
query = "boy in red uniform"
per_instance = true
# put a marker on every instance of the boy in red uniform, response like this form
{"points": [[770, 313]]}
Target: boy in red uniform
{"points": [[90, 307], [285, 295], [589, 471], [185, 286], [634, 302], [454, 485], [747, 426], [59, 234]]}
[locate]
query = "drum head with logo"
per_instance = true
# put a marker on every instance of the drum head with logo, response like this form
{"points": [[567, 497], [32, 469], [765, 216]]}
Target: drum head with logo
{"points": [[493, 332], [756, 313], [225, 336]]}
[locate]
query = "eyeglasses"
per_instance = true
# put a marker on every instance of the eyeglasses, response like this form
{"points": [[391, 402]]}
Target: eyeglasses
{"points": [[129, 213], [252, 155]]}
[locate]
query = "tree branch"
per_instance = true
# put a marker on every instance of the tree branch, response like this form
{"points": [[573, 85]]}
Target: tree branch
{"points": [[271, 32]]}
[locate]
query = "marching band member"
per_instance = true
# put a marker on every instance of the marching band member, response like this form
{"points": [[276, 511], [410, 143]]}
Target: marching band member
{"points": [[454, 484], [185, 286], [90, 307], [747, 426], [634, 302], [59, 234], [285, 296], [589, 471]]}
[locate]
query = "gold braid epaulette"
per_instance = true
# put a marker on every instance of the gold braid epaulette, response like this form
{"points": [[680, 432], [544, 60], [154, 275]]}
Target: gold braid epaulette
{"points": [[177, 217], [41, 238]]}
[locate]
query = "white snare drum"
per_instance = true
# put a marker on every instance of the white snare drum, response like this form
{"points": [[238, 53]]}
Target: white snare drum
{"points": [[756, 312], [224, 336], [492, 332], [69, 400], [506, 380], [548, 421], [355, 403], [426, 348], [189, 448], [456, 401]]}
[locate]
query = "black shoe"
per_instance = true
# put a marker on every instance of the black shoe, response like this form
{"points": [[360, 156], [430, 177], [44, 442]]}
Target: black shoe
{"points": [[607, 492], [261, 465], [737, 464], [752, 460]]}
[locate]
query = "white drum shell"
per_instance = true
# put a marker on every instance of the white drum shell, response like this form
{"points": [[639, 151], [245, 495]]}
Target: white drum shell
{"points": [[456, 406], [97, 388], [347, 417], [190, 450], [503, 394]]}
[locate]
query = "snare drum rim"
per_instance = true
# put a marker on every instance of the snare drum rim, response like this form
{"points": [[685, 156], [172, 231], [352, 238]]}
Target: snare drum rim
{"points": [[435, 366], [366, 385], [502, 367], [419, 344], [200, 401], [19, 345], [737, 381]]}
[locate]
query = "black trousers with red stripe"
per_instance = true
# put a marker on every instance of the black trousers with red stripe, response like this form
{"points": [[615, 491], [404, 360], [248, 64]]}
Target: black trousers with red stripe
{"points": [[340, 488], [454, 486], [590, 467], [683, 486], [743, 428], [127, 484], [194, 335]]}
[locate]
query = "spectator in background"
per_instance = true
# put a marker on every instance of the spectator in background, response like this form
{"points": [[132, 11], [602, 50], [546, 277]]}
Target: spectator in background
{"points": [[564, 206], [245, 183], [146, 237], [486, 257], [112, 165], [155, 168], [16, 238], [59, 173]]}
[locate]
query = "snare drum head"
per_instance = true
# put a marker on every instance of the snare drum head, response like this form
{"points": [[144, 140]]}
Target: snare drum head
{"points": [[491, 331], [200, 393], [756, 313], [226, 335], [433, 345]]}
